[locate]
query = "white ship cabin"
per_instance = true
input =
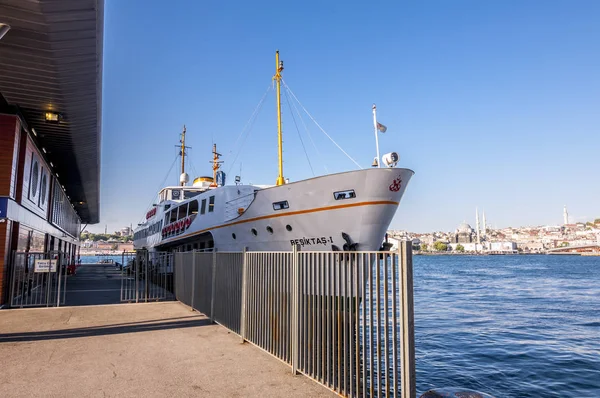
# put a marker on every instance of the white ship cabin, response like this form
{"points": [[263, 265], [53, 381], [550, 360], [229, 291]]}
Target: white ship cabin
{"points": [[184, 209], [178, 193]]}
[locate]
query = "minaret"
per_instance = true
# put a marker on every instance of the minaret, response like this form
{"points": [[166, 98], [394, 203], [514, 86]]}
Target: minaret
{"points": [[565, 216], [477, 225], [484, 226]]}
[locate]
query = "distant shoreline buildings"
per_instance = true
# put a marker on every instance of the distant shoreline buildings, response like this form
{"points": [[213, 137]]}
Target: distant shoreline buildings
{"points": [[485, 240]]}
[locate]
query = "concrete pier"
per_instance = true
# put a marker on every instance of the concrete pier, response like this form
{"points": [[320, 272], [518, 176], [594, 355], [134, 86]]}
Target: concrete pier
{"points": [[152, 350]]}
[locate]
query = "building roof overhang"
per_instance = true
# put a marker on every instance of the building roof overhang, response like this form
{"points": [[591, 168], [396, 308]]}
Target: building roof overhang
{"points": [[51, 61]]}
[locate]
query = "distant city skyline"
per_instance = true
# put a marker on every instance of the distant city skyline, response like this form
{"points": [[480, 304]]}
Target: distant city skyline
{"points": [[493, 104]]}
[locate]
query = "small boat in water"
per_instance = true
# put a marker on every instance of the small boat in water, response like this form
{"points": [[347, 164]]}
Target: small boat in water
{"points": [[346, 211]]}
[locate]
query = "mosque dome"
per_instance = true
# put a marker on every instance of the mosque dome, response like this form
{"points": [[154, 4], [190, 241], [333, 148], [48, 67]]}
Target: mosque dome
{"points": [[464, 228]]}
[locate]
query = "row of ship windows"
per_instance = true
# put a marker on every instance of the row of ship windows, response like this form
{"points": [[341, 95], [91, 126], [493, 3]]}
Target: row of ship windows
{"points": [[187, 209], [151, 230]]}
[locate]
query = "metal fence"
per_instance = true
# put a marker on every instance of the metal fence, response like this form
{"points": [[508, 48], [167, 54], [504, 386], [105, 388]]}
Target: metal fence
{"points": [[38, 279], [344, 319], [211, 283], [146, 276]]}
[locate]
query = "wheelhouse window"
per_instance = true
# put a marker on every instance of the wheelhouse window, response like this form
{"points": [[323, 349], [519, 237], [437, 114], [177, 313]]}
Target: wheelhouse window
{"points": [[203, 208], [349, 194], [281, 205], [211, 204], [173, 216], [193, 207], [190, 194]]}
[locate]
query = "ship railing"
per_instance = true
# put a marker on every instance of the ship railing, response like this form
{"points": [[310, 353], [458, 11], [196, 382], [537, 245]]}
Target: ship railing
{"points": [[344, 319]]}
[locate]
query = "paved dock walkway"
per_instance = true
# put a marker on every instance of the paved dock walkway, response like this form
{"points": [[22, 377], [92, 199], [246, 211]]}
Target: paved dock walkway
{"points": [[135, 350], [94, 284]]}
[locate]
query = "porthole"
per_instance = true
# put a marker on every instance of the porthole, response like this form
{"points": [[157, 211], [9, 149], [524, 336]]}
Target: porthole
{"points": [[269, 229], [254, 231], [233, 235], [288, 227]]}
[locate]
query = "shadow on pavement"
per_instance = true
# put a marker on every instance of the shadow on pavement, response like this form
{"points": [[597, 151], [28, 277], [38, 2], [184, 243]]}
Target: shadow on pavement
{"points": [[145, 326]]}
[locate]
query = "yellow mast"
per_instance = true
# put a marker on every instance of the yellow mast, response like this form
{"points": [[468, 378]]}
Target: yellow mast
{"points": [[277, 78], [182, 154]]}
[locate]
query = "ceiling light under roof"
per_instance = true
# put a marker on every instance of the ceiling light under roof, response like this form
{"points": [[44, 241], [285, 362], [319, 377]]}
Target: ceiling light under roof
{"points": [[52, 117], [33, 131]]}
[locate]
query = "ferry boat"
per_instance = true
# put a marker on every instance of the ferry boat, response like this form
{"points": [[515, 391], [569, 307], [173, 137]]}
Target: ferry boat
{"points": [[345, 211]]}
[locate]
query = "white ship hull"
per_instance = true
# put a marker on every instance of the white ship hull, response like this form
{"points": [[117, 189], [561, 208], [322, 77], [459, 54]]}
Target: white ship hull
{"points": [[246, 216]]}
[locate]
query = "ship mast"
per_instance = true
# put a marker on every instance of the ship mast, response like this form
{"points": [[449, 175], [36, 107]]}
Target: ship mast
{"points": [[182, 181], [277, 78], [216, 163]]}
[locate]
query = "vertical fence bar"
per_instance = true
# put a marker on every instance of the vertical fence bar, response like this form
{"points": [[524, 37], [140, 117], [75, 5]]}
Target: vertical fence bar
{"points": [[279, 312], [303, 295], [356, 331], [394, 325], [378, 320], [58, 282], [364, 279], [340, 326], [407, 326], [328, 310], [213, 286], [244, 293], [193, 280], [295, 290], [385, 325], [137, 274]]}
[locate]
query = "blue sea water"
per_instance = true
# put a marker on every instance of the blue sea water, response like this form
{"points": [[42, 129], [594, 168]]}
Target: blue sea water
{"points": [[511, 326], [96, 259]]}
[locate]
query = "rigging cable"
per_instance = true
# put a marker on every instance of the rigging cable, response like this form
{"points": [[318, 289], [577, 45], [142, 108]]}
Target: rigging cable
{"points": [[192, 166], [161, 185], [248, 124], [318, 125], [298, 130], [310, 137]]}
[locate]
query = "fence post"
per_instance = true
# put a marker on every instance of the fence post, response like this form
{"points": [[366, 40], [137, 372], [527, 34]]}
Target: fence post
{"points": [[213, 285], [59, 265], [137, 274], [13, 266], [407, 322], [193, 278], [295, 308], [244, 283], [146, 269]]}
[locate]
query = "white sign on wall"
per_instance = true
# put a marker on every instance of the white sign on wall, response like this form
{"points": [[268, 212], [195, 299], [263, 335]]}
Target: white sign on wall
{"points": [[45, 265]]}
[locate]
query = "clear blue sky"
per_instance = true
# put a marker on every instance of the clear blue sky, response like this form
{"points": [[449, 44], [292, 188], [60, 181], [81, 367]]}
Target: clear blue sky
{"points": [[494, 104]]}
